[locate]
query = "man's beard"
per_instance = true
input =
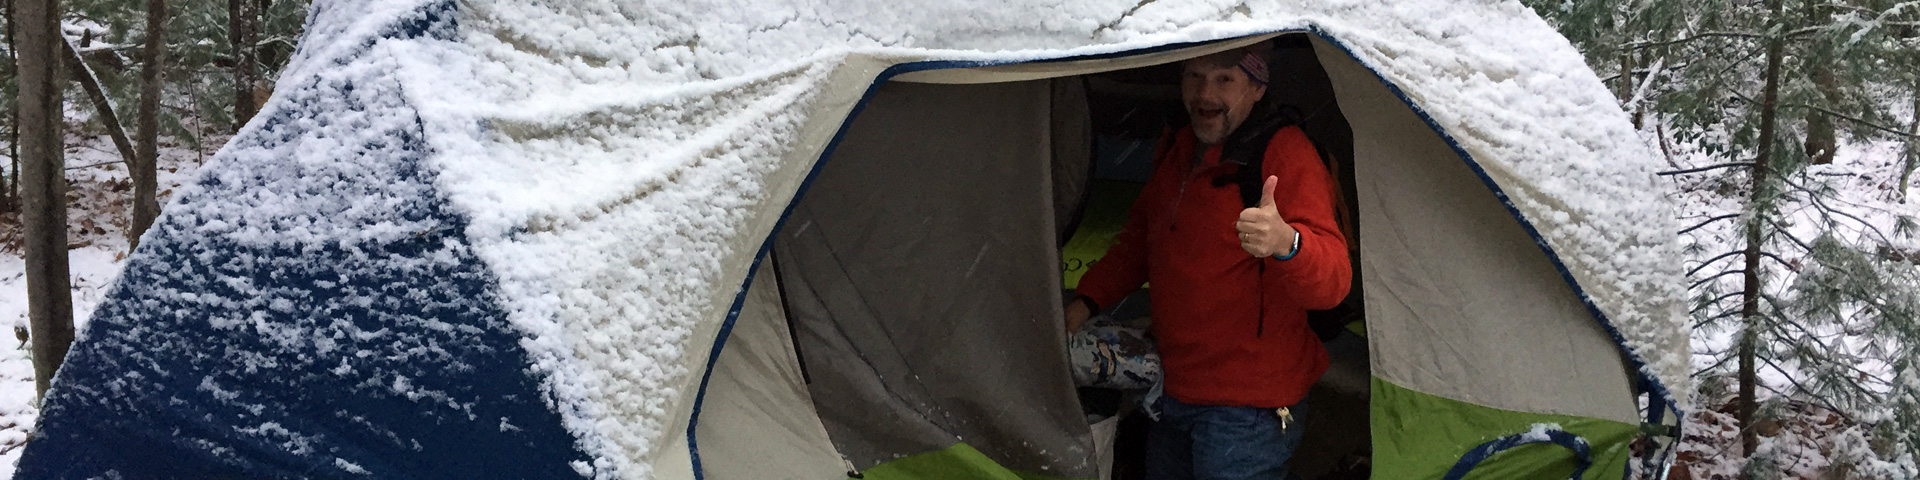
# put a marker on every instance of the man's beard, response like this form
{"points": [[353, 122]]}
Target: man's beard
{"points": [[1210, 129]]}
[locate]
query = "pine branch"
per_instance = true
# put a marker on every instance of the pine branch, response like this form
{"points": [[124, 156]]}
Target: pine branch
{"points": [[1776, 258], [1710, 261], [1703, 281], [1708, 221], [1706, 35], [1824, 400], [1854, 119], [1782, 230], [1715, 300], [1821, 353], [1643, 71], [1705, 168], [1709, 368], [1703, 322], [1699, 36], [1814, 199]]}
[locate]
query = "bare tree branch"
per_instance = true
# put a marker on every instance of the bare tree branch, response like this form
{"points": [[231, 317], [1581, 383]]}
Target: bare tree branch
{"points": [[83, 75], [1705, 168]]}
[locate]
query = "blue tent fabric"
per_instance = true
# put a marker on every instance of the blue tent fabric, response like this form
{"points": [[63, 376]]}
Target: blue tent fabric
{"points": [[237, 346]]}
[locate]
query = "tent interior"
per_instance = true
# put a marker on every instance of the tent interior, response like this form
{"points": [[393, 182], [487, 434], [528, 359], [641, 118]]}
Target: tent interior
{"points": [[910, 306]]}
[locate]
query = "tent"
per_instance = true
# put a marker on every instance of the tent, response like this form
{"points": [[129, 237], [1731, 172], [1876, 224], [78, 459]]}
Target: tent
{"points": [[712, 239]]}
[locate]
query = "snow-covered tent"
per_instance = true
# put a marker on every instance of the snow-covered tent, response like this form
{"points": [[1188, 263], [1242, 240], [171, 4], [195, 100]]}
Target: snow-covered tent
{"points": [[502, 239]]}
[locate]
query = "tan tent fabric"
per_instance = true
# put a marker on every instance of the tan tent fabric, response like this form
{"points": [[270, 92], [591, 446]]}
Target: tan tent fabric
{"points": [[1038, 70], [926, 313], [1460, 300], [758, 421]]}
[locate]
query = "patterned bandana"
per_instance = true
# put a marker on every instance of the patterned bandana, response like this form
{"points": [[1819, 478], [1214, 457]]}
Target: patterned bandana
{"points": [[1255, 66]]}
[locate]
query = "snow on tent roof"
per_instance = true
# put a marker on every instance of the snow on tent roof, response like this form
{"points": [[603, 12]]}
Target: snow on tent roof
{"points": [[583, 186]]}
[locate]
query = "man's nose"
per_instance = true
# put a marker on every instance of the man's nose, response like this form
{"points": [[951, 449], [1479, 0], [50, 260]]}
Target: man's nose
{"points": [[1207, 90]]}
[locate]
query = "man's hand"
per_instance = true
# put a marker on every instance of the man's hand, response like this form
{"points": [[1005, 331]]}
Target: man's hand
{"points": [[1262, 232], [1077, 314]]}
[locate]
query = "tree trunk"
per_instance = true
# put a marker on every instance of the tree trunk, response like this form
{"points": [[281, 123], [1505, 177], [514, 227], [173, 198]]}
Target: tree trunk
{"points": [[147, 154], [1750, 302], [1913, 147], [103, 107], [1626, 76], [1820, 133], [10, 184], [44, 188], [243, 19]]}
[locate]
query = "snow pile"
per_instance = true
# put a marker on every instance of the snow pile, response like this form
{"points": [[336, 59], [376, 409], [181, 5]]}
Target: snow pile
{"points": [[1539, 433], [616, 166]]}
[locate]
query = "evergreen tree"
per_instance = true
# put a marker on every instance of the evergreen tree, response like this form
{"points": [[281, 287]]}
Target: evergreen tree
{"points": [[199, 57], [1813, 290]]}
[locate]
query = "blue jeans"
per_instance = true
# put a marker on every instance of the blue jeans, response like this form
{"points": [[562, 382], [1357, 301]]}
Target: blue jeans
{"points": [[1202, 442]]}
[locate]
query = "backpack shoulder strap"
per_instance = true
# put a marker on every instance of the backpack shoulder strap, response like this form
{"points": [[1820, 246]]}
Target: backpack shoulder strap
{"points": [[1248, 148]]}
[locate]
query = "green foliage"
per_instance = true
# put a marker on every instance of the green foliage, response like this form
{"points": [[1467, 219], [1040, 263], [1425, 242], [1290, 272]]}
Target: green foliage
{"points": [[197, 74]]}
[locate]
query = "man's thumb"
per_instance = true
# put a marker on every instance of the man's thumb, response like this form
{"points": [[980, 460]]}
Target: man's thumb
{"points": [[1266, 193]]}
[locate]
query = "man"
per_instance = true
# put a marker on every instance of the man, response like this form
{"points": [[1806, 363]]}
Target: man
{"points": [[1231, 285]]}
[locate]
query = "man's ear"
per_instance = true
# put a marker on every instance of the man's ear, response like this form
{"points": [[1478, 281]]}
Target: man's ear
{"points": [[1259, 93]]}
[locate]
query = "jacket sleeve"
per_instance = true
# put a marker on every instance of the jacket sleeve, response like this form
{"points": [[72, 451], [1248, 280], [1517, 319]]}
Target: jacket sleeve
{"points": [[1319, 276], [1124, 267]]}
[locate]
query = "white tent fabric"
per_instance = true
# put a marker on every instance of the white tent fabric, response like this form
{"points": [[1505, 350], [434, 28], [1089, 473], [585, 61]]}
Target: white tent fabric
{"points": [[623, 163]]}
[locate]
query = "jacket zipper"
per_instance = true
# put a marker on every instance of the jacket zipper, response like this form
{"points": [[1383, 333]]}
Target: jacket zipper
{"points": [[1173, 224], [1193, 165]]}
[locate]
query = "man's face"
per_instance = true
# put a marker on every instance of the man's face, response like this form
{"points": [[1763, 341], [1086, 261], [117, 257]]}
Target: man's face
{"points": [[1218, 98]]}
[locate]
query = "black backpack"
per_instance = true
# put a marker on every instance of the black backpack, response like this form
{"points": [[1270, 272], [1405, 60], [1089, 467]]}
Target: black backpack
{"points": [[1246, 147]]}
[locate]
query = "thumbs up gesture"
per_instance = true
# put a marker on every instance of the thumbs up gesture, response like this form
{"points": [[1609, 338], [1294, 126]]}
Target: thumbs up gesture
{"points": [[1262, 232]]}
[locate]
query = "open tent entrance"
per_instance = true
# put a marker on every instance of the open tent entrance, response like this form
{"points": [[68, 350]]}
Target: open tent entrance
{"points": [[906, 322]]}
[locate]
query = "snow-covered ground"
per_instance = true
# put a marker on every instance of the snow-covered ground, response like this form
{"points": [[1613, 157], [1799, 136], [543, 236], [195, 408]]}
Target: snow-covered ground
{"points": [[1812, 441], [99, 190]]}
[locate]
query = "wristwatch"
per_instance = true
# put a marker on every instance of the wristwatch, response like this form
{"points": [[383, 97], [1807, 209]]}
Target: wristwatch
{"points": [[1293, 251]]}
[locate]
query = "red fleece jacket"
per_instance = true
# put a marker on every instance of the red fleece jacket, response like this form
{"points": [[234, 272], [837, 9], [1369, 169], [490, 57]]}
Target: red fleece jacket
{"points": [[1218, 346]]}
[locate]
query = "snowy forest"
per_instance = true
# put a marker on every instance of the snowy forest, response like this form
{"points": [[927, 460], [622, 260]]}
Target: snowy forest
{"points": [[146, 90], [1790, 128]]}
